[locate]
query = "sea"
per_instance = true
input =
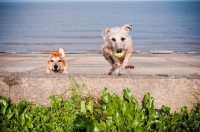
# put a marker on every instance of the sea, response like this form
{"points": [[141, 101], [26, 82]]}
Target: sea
{"points": [[39, 27]]}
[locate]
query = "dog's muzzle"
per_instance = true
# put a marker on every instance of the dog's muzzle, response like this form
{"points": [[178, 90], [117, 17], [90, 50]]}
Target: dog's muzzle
{"points": [[119, 50], [55, 68]]}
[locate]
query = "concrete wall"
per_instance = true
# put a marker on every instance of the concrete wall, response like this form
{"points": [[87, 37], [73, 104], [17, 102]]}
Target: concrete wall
{"points": [[166, 91]]}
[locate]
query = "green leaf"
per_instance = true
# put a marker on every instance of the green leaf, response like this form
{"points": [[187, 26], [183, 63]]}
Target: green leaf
{"points": [[151, 122], [50, 125], [22, 106], [184, 110], [83, 110], [110, 109], [105, 98], [118, 119], [125, 107], [136, 121], [53, 101], [113, 129], [165, 110], [4, 105], [16, 112], [59, 99], [139, 129], [146, 100], [22, 119], [90, 106], [29, 125], [102, 126], [115, 101], [80, 124], [175, 119], [28, 116], [128, 95], [68, 105], [45, 118], [3, 102], [96, 127], [10, 115], [109, 121]]}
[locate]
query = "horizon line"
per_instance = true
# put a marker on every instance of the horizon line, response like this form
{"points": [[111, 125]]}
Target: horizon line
{"points": [[13, 1]]}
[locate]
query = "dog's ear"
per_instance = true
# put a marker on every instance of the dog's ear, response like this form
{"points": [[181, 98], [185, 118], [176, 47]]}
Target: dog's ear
{"points": [[127, 27], [62, 52], [49, 58], [105, 33]]}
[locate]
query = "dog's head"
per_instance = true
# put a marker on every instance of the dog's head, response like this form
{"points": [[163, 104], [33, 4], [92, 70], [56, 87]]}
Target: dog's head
{"points": [[117, 37], [56, 61]]}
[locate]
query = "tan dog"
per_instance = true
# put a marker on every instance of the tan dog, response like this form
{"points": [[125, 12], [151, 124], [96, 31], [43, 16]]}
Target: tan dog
{"points": [[56, 62], [117, 47]]}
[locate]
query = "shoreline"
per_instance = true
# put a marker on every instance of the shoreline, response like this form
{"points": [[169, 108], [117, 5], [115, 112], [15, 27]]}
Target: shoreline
{"points": [[99, 52]]}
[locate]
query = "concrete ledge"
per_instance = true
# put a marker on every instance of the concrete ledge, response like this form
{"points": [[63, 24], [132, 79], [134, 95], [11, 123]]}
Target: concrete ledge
{"points": [[166, 91]]}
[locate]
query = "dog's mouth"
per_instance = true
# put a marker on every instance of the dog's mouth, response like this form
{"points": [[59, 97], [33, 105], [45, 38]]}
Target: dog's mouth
{"points": [[120, 50], [56, 68], [56, 71]]}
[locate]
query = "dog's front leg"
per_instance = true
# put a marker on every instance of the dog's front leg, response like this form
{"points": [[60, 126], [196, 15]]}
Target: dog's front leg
{"points": [[127, 56], [107, 53], [116, 65], [64, 71], [48, 70], [65, 67], [115, 68], [114, 62]]}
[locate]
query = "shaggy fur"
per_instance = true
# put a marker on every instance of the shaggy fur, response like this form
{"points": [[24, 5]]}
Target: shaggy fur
{"points": [[117, 40]]}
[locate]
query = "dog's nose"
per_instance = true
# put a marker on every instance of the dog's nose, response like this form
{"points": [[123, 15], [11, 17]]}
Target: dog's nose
{"points": [[119, 50], [55, 66]]}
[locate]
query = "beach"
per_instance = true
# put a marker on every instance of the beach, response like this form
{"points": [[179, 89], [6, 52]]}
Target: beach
{"points": [[145, 64], [170, 78]]}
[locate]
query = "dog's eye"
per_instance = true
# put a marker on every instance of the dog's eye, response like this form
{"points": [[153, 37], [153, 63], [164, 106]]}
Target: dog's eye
{"points": [[122, 39], [59, 60], [113, 39], [51, 60]]}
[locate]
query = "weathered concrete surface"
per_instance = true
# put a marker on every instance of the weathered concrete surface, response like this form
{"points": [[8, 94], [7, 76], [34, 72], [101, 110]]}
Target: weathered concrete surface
{"points": [[171, 79]]}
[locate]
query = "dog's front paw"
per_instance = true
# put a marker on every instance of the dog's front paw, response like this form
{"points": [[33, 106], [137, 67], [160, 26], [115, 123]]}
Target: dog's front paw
{"points": [[129, 66], [48, 72], [48, 69], [64, 72]]}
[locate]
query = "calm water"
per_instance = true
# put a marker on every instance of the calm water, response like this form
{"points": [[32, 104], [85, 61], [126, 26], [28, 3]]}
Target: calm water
{"points": [[77, 26]]}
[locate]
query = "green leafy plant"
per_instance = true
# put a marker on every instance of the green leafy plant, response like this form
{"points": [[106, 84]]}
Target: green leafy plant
{"points": [[81, 113]]}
